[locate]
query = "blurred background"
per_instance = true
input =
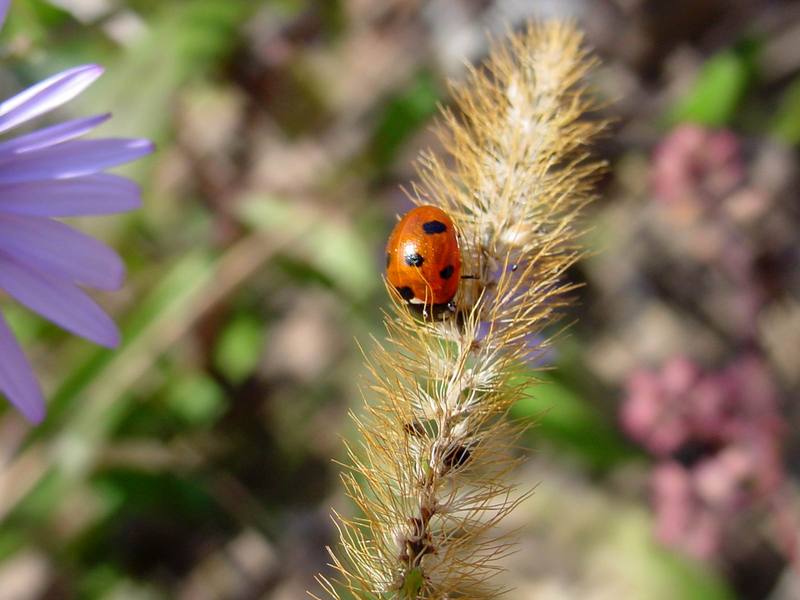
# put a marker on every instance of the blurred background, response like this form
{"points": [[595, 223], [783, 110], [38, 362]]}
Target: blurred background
{"points": [[196, 461]]}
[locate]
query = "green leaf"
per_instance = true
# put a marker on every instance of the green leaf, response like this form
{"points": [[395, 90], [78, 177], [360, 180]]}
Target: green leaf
{"points": [[601, 532], [98, 581], [32, 19], [185, 40], [73, 436], [564, 419], [40, 500], [786, 124], [693, 581], [196, 398], [333, 247], [404, 114], [240, 347], [12, 540], [99, 373], [720, 87]]}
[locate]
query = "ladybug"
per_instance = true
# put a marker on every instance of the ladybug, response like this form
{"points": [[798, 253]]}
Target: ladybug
{"points": [[423, 261]]}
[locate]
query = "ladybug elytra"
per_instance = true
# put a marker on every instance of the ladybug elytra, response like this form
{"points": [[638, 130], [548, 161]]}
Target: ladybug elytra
{"points": [[423, 261]]}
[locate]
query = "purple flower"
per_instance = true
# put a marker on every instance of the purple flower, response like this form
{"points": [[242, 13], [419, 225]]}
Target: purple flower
{"points": [[44, 263]]}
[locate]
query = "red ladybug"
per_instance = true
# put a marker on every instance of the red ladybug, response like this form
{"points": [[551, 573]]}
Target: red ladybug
{"points": [[423, 261]]}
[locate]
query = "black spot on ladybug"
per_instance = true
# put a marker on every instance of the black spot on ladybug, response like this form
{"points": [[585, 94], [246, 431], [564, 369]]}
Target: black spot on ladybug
{"points": [[432, 227], [406, 293], [414, 260], [388, 259], [447, 272]]}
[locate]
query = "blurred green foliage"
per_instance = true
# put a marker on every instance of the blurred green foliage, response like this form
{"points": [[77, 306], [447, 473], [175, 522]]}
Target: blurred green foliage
{"points": [[720, 87], [402, 115], [563, 418], [786, 123]]}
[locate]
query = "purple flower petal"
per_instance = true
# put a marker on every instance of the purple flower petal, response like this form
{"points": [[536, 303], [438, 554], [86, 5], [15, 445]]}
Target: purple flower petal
{"points": [[17, 380], [54, 248], [46, 95], [98, 194], [58, 301], [3, 10], [72, 159], [50, 136], [49, 173]]}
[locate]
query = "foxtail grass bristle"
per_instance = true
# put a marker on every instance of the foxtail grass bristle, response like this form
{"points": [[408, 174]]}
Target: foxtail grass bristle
{"points": [[430, 473]]}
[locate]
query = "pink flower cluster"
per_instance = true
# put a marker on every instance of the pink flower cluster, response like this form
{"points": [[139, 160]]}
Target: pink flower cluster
{"points": [[717, 439], [696, 166]]}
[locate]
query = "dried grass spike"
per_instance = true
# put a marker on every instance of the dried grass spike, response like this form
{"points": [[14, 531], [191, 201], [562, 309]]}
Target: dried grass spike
{"points": [[430, 473]]}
